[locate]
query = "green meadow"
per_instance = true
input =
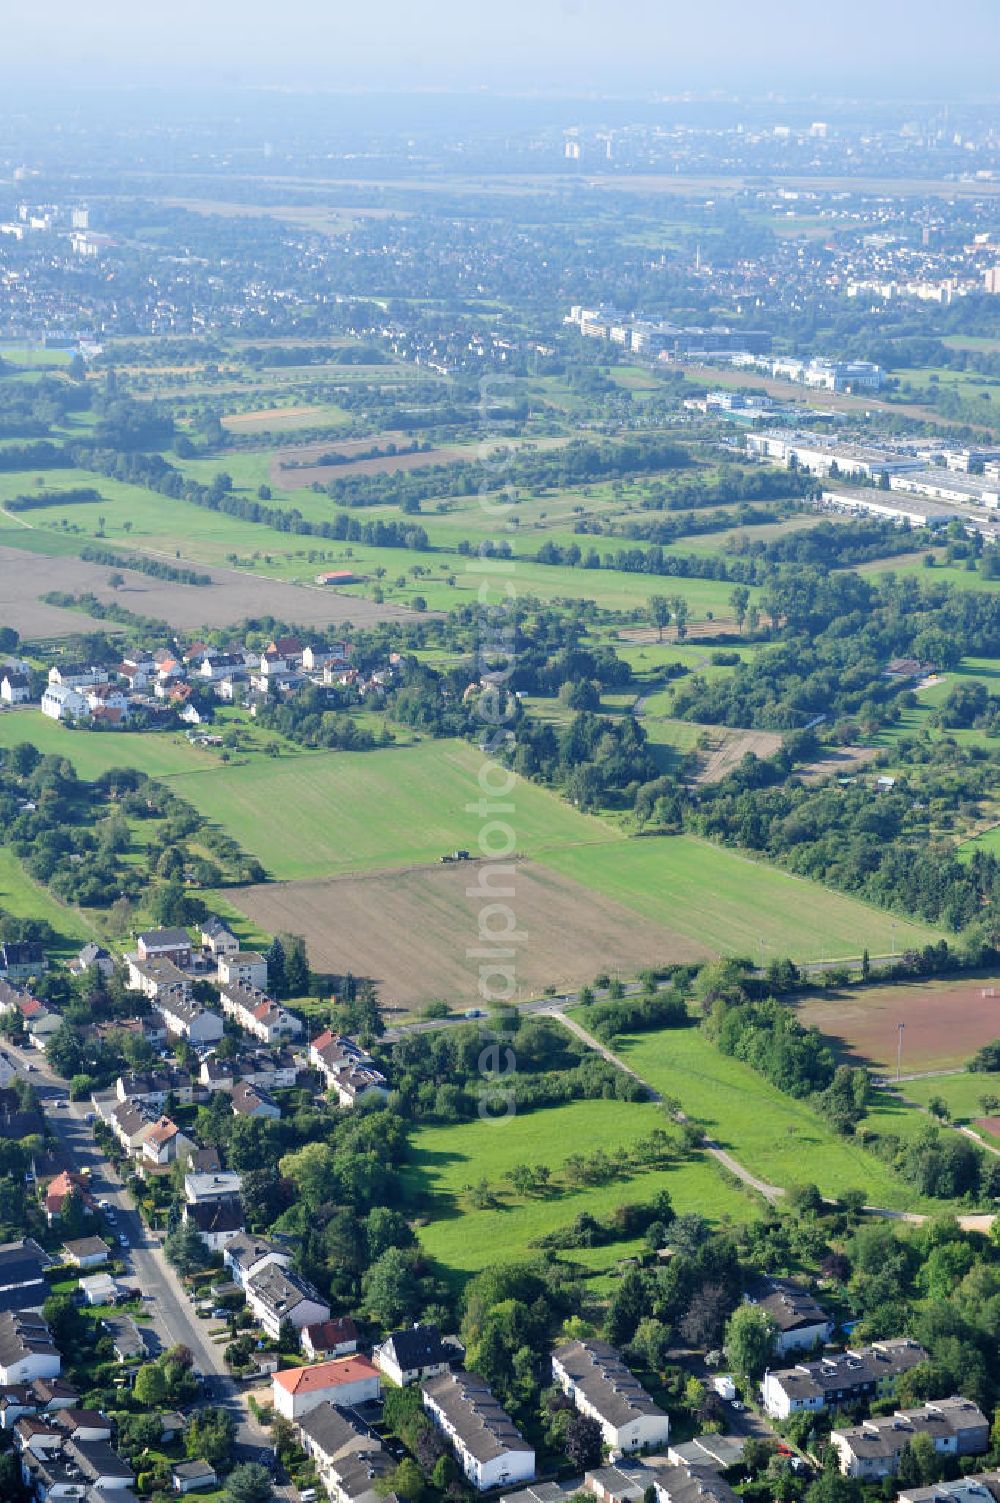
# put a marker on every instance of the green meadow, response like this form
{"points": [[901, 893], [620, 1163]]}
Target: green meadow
{"points": [[446, 1160], [731, 904]]}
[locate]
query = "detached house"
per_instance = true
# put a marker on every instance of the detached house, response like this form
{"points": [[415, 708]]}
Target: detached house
{"points": [[276, 1295], [217, 937], [253, 1101], [246, 1255], [413, 1354], [800, 1322], [15, 688], [165, 944], [348, 1456], [189, 1020], [347, 1382], [59, 702], [594, 1376], [163, 1143], [21, 960], [330, 1338], [77, 675], [488, 1446], [217, 1222]]}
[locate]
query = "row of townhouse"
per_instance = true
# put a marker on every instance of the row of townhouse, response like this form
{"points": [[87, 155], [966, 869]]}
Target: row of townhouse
{"points": [[594, 1376], [350, 1460], [271, 1069], [831, 1382], [488, 1447], [258, 1014], [955, 1426], [347, 1069]]}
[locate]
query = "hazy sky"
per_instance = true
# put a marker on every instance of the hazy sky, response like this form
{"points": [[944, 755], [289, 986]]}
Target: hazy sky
{"points": [[617, 45]]}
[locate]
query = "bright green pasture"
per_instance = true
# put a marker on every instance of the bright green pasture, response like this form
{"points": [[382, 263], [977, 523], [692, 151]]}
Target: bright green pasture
{"points": [[23, 898], [334, 812], [780, 1140], [445, 1160], [961, 1092], [91, 753], [730, 904]]}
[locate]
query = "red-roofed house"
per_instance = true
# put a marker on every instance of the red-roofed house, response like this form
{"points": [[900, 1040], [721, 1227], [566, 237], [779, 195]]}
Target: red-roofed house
{"points": [[346, 1382], [330, 1338], [163, 1142], [59, 1191]]}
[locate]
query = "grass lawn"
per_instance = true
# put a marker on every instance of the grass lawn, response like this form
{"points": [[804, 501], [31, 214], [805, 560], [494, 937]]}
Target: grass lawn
{"points": [[447, 1159], [156, 753], [730, 903], [23, 898], [327, 813], [780, 1139]]}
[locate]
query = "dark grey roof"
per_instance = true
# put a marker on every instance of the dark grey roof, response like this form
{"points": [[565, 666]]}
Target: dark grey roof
{"points": [[22, 1334], [418, 1346], [22, 1274], [598, 1371], [216, 1215], [164, 939], [337, 1431], [280, 1290], [483, 1427], [25, 952], [790, 1307], [247, 1249]]}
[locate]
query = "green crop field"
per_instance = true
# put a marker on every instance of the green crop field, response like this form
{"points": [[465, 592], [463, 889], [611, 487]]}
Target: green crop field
{"points": [[777, 1138], [333, 812], [447, 1159], [733, 904]]}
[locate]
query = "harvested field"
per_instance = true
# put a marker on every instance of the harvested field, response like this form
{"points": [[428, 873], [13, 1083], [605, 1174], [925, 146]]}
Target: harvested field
{"points": [[720, 626], [944, 1022], [232, 595], [730, 747], [269, 418], [412, 930], [988, 1125], [843, 762]]}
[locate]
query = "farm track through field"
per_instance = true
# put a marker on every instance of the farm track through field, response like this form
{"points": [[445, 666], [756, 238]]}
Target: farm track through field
{"points": [[771, 1193]]}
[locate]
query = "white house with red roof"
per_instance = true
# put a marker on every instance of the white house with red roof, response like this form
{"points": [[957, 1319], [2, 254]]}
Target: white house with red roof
{"points": [[345, 1382]]}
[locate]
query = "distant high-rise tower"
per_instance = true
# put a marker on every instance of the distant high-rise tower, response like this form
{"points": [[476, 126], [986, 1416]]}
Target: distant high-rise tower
{"points": [[572, 151]]}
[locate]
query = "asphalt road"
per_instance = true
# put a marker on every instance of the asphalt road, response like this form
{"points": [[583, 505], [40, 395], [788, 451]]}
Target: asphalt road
{"points": [[172, 1313]]}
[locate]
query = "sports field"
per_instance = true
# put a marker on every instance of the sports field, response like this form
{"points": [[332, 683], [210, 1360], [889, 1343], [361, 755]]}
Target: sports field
{"points": [[446, 1160], [735, 905], [944, 1022]]}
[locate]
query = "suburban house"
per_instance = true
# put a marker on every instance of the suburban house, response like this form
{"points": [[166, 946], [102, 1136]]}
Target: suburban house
{"points": [[218, 1222], [253, 1101], [413, 1354], [79, 1467], [832, 1382], [188, 1019], [165, 944], [77, 675], [100, 1289], [977, 1487], [246, 1255], [39, 1020], [594, 1376], [217, 937], [22, 1275], [956, 1427], [19, 961], [226, 1184], [155, 978], [163, 1143], [345, 1383], [27, 1350], [349, 1458], [129, 1121], [61, 1189], [193, 1476], [107, 700], [246, 968], [347, 1069], [275, 1295], [258, 1013], [331, 1338], [127, 1341], [15, 688], [152, 1087], [488, 1446], [62, 703], [83, 1424], [275, 1069], [86, 1252], [800, 1322], [92, 957], [629, 1483]]}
